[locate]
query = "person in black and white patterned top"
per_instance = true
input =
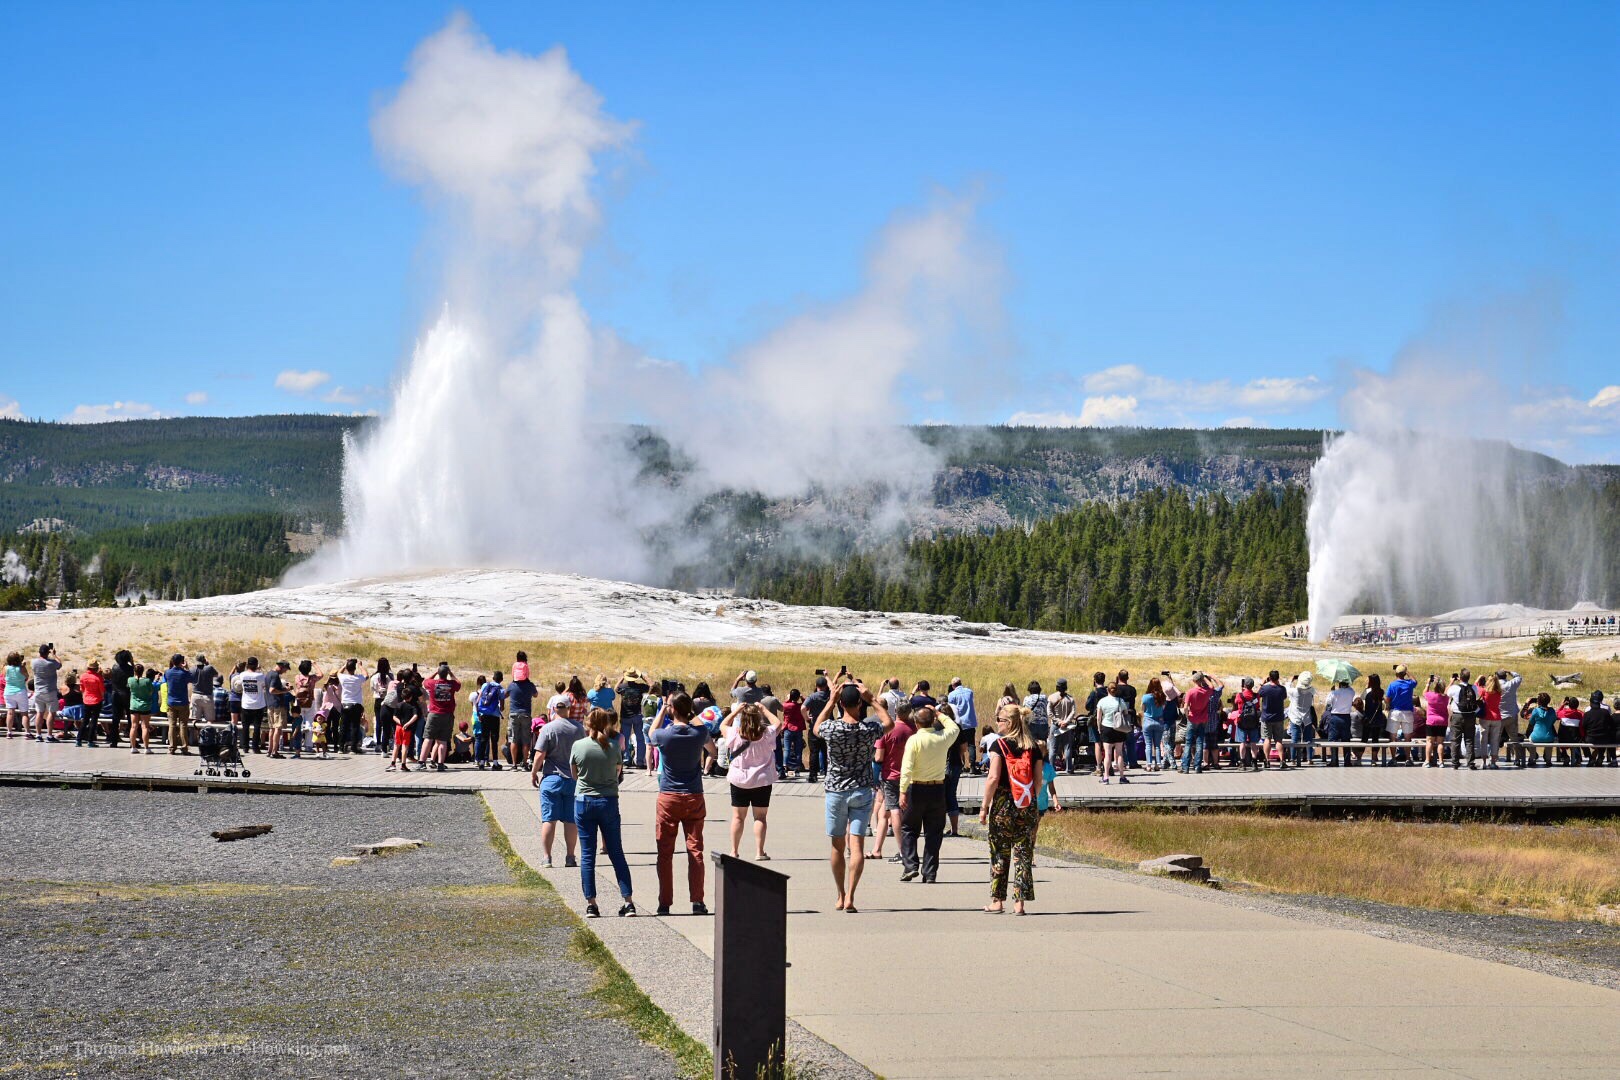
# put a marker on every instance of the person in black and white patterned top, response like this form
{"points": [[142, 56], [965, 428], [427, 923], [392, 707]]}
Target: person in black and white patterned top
{"points": [[850, 737]]}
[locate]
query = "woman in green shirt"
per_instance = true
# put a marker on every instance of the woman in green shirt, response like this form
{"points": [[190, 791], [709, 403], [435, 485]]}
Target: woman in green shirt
{"points": [[597, 766], [142, 700]]}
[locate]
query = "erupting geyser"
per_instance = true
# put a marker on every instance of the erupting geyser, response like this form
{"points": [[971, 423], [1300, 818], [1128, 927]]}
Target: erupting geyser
{"points": [[506, 444]]}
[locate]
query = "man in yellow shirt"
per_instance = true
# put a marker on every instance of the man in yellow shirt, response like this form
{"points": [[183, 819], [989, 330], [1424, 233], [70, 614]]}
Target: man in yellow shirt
{"points": [[922, 791]]}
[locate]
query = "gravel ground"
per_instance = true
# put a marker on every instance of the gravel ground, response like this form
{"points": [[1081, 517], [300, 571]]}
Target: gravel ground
{"points": [[168, 954]]}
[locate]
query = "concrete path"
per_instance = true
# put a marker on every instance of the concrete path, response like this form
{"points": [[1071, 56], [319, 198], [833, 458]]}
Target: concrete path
{"points": [[1109, 976], [1553, 788]]}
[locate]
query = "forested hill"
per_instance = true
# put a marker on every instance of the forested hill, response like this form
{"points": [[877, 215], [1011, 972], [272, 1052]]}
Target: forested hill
{"points": [[1163, 561], [90, 477]]}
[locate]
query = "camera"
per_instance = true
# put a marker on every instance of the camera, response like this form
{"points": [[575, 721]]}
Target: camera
{"points": [[821, 671]]}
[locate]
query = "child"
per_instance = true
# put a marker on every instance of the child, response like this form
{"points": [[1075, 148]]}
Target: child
{"points": [[1046, 799], [520, 669], [327, 714], [461, 745], [404, 731]]}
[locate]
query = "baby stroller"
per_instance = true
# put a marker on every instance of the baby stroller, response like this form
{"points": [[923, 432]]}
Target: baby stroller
{"points": [[219, 754]]}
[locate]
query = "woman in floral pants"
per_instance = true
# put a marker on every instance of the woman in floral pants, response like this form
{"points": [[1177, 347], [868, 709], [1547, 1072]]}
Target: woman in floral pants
{"points": [[1010, 808]]}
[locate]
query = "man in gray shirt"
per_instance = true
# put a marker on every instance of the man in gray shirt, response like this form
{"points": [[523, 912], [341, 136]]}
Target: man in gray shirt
{"points": [[47, 697], [553, 774]]}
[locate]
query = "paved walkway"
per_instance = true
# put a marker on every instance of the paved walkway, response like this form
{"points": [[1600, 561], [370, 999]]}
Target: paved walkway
{"points": [[1110, 976], [1364, 785]]}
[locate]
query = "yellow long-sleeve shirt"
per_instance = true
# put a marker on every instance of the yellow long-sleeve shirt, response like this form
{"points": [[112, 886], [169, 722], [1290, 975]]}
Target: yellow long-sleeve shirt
{"points": [[927, 753]]}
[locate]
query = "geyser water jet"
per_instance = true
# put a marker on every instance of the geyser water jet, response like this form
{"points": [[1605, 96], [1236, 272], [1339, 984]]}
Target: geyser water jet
{"points": [[507, 443]]}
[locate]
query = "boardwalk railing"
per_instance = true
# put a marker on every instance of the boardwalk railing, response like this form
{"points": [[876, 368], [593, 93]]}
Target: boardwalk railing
{"points": [[1428, 633]]}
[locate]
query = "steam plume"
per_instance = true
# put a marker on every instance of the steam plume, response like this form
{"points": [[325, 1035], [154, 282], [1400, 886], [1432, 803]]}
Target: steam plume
{"points": [[1422, 505], [486, 456]]}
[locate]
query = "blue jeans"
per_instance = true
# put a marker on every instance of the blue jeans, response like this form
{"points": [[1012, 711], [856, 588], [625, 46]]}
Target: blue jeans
{"points": [[1153, 735], [1193, 751], [1338, 730], [794, 753], [592, 813], [1301, 738], [633, 730]]}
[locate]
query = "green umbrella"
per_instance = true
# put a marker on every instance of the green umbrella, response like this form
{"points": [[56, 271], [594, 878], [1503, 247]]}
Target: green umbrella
{"points": [[1337, 671]]}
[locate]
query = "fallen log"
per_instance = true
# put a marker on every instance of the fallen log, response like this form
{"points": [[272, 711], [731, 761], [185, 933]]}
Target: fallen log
{"points": [[241, 832]]}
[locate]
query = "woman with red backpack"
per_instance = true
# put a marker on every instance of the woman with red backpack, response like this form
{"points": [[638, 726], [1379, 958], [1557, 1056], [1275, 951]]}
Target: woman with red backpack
{"points": [[1011, 809]]}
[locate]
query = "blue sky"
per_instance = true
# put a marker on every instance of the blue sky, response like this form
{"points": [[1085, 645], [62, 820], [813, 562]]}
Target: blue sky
{"points": [[1231, 205]]}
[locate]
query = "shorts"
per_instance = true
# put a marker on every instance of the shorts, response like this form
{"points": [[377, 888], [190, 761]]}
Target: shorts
{"points": [[1276, 730], [1436, 731], [402, 736], [1398, 722], [1113, 735], [849, 812], [46, 702], [891, 793], [557, 799], [521, 734], [751, 796], [17, 700], [439, 726]]}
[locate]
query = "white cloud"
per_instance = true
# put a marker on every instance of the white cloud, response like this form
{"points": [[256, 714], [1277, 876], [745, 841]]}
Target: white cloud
{"points": [[1608, 397], [1178, 400], [1282, 393], [1238, 422], [1043, 419], [117, 410], [197, 397], [301, 382], [1114, 379], [10, 409], [1107, 410]]}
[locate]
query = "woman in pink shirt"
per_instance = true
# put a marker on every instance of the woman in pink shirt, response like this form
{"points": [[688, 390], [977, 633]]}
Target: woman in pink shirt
{"points": [[750, 733], [1437, 706]]}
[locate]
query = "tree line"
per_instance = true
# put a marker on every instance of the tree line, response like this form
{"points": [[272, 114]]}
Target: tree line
{"points": [[1162, 562], [170, 561]]}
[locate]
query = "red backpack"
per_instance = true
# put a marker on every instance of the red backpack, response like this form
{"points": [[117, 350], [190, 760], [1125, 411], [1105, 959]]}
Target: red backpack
{"points": [[1022, 781]]}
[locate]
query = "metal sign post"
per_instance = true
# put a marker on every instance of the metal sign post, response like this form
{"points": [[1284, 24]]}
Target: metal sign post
{"points": [[750, 971]]}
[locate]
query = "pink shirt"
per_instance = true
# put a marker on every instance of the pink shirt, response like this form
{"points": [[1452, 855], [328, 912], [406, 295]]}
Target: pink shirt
{"points": [[1438, 704], [753, 764]]}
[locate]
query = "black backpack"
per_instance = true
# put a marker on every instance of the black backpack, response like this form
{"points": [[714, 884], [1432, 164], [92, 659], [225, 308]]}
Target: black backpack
{"points": [[1467, 700], [1249, 715]]}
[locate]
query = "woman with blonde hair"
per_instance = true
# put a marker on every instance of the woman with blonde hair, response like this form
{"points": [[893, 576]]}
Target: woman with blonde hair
{"points": [[1011, 809], [751, 732]]}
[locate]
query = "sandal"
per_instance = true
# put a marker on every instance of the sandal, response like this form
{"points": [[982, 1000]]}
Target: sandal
{"points": [[994, 910]]}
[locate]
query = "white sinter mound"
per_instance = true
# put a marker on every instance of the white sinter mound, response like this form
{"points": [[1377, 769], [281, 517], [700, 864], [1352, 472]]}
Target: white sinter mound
{"points": [[530, 605]]}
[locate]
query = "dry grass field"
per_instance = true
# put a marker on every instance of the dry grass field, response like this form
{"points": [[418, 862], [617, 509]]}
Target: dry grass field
{"points": [[1568, 870]]}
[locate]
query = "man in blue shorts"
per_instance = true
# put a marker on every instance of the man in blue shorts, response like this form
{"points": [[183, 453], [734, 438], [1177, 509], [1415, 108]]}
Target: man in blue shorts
{"points": [[554, 776]]}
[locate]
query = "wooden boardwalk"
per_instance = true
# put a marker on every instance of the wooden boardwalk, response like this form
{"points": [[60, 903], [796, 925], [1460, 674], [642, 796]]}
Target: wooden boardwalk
{"points": [[1552, 788]]}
